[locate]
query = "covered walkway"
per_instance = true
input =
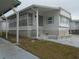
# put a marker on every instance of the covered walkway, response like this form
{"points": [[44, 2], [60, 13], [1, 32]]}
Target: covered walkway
{"points": [[7, 49]]}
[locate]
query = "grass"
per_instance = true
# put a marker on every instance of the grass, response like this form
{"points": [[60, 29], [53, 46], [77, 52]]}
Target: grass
{"points": [[47, 49]]}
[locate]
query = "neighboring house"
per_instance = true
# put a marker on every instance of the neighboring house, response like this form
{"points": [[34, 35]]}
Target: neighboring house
{"points": [[3, 25], [74, 27], [43, 22]]}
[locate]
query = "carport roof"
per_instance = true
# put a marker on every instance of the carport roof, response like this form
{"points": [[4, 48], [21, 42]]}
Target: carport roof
{"points": [[6, 5]]}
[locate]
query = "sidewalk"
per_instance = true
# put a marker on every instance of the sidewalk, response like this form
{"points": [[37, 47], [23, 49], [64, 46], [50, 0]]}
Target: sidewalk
{"points": [[9, 51], [72, 41]]}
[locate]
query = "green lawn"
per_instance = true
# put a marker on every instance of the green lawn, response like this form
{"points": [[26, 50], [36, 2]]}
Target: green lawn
{"points": [[47, 49]]}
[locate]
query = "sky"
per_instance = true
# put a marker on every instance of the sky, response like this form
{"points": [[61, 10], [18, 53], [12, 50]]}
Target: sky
{"points": [[70, 5]]}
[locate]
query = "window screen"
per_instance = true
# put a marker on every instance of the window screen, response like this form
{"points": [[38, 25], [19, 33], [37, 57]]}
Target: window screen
{"points": [[40, 20]]}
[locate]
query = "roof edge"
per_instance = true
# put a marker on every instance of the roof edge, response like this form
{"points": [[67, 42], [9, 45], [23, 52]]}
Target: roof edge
{"points": [[11, 8]]}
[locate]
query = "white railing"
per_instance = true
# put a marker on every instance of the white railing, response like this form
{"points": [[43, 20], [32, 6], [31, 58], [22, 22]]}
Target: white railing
{"points": [[25, 28]]}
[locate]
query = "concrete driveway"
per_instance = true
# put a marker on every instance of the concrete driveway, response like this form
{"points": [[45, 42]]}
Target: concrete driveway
{"points": [[10, 51], [73, 40]]}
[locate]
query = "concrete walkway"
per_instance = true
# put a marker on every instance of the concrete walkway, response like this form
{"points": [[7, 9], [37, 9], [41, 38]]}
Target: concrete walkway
{"points": [[71, 41], [9, 51]]}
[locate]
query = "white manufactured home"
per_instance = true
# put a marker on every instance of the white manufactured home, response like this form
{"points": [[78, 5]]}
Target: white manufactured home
{"points": [[74, 26], [43, 22]]}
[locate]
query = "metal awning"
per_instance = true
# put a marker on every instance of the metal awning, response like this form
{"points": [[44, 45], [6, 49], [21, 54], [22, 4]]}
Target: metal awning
{"points": [[6, 5]]}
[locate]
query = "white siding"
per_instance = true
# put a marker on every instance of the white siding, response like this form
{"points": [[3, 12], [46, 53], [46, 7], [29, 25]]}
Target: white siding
{"points": [[64, 22], [72, 25], [52, 29], [62, 12], [4, 27], [77, 25]]}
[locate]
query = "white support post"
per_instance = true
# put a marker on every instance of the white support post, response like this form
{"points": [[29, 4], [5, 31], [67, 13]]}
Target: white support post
{"points": [[1, 28], [6, 29], [28, 32], [58, 36], [37, 24], [17, 33], [27, 19], [17, 27]]}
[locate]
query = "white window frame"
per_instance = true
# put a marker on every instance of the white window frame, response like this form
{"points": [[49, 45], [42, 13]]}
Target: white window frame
{"points": [[50, 21]]}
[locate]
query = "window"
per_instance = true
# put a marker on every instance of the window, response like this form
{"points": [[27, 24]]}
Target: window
{"points": [[30, 19], [23, 22], [50, 20], [12, 24], [64, 20], [40, 20]]}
